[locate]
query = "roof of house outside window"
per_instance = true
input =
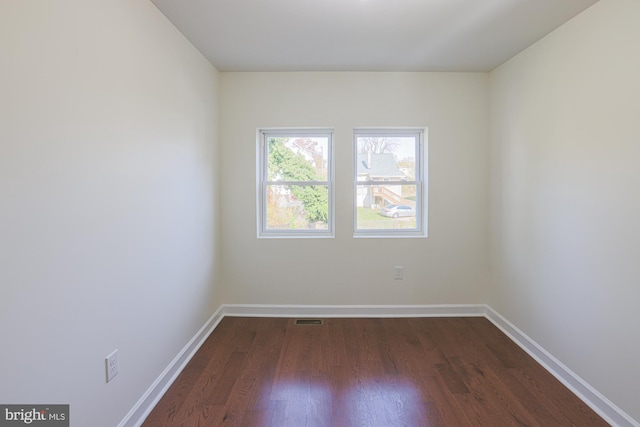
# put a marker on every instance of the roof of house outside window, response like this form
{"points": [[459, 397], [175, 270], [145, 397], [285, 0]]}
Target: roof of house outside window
{"points": [[378, 165]]}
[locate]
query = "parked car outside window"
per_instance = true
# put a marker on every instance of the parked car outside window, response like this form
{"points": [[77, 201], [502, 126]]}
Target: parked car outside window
{"points": [[397, 211]]}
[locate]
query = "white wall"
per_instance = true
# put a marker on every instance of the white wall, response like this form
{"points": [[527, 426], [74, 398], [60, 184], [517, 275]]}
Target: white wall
{"points": [[565, 196], [108, 201], [450, 266]]}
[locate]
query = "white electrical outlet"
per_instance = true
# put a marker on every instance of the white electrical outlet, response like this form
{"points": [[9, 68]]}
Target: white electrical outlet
{"points": [[112, 365], [399, 272]]}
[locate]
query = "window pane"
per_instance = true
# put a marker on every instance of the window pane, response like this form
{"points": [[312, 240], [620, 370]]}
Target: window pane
{"points": [[296, 207], [386, 207], [383, 158], [298, 158]]}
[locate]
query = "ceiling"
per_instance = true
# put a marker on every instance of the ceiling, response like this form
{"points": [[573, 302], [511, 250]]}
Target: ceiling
{"points": [[365, 35]]}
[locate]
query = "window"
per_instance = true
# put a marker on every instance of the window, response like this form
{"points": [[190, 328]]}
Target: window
{"points": [[295, 183], [390, 191]]}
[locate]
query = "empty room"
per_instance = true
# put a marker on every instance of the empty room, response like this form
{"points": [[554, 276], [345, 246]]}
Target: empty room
{"points": [[319, 213]]}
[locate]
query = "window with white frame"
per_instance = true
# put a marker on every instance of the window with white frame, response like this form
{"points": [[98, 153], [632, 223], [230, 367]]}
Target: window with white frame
{"points": [[295, 183], [390, 188]]}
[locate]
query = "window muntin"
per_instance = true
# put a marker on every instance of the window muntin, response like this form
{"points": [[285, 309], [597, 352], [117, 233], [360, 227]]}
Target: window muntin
{"points": [[390, 194], [295, 183]]}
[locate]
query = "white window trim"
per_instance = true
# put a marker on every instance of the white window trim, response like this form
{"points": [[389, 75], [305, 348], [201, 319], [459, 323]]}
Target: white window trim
{"points": [[421, 230], [262, 135]]}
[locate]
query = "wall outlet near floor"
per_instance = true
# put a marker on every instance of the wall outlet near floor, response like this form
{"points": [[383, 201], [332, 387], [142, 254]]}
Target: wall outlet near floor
{"points": [[112, 364], [399, 272]]}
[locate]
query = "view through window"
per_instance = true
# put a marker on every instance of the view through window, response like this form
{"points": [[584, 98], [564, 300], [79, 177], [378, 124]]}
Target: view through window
{"points": [[389, 184], [295, 183]]}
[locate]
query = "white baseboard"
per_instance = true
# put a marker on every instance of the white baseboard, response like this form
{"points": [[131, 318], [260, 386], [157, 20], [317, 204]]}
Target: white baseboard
{"points": [[605, 408], [589, 395], [260, 310], [150, 398]]}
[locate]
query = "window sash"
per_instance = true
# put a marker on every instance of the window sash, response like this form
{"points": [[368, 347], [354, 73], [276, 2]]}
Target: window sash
{"points": [[264, 184], [419, 182], [282, 213]]}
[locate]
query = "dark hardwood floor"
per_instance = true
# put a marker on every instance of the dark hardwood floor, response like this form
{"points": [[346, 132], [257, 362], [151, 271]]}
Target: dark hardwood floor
{"points": [[366, 372]]}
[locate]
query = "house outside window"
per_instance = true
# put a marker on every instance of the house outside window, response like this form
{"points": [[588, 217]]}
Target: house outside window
{"points": [[390, 188], [295, 183]]}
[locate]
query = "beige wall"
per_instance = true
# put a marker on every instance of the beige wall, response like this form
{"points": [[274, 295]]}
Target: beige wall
{"points": [[450, 266], [565, 196], [107, 192]]}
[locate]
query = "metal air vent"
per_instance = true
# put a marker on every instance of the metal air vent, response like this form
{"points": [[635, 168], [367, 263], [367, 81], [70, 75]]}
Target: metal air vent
{"points": [[308, 322]]}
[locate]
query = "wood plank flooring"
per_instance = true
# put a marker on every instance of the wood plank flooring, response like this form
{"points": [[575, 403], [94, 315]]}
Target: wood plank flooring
{"points": [[414, 372]]}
